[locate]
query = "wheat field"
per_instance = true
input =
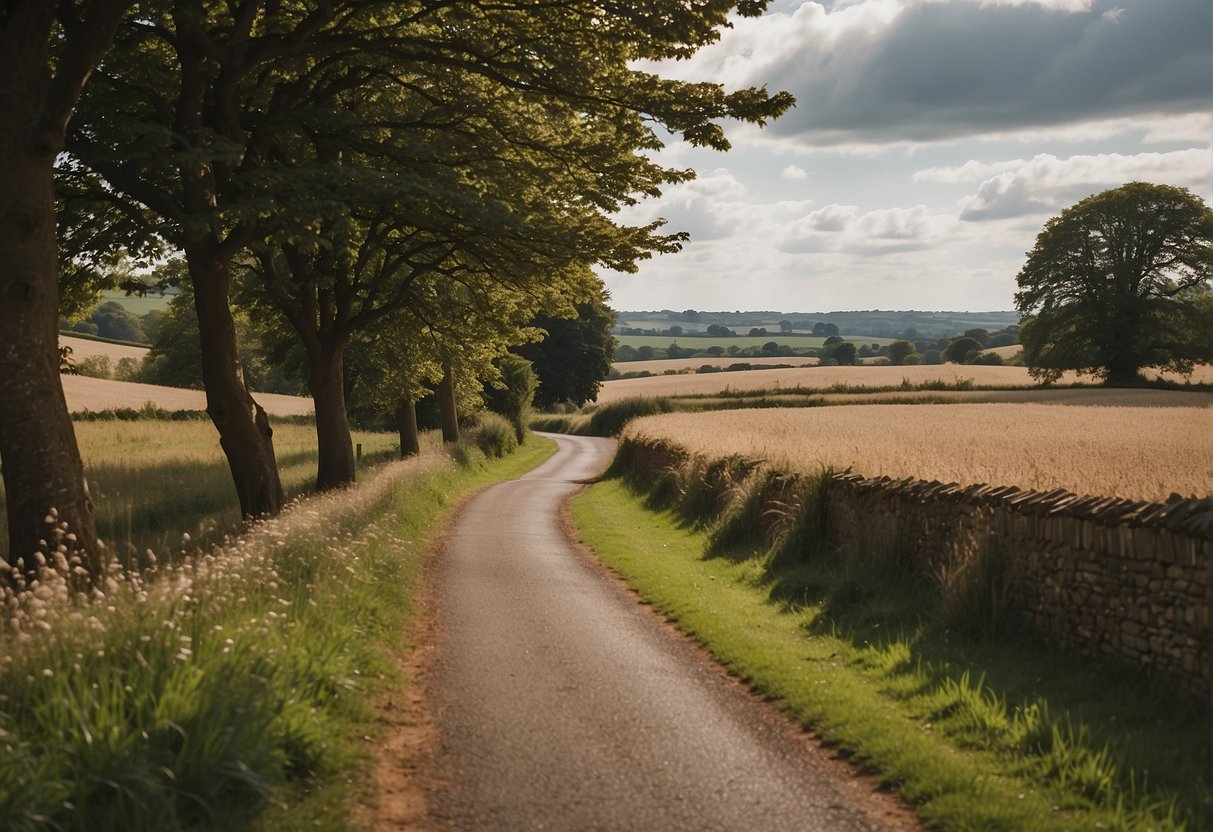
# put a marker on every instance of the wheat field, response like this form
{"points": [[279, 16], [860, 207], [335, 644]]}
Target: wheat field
{"points": [[84, 393], [86, 348], [808, 379], [1141, 453], [814, 378]]}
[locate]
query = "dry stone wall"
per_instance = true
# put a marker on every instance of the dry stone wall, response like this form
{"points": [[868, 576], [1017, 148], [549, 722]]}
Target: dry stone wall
{"points": [[1107, 577]]}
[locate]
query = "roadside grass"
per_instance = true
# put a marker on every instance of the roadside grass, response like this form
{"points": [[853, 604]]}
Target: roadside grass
{"points": [[974, 724], [231, 689]]}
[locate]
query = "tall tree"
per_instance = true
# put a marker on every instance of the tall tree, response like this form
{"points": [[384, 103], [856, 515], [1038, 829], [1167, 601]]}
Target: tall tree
{"points": [[239, 144], [47, 53], [526, 173], [575, 354], [1114, 283]]}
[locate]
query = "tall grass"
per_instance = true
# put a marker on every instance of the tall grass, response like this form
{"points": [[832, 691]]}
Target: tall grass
{"points": [[602, 420], [191, 693], [155, 482]]}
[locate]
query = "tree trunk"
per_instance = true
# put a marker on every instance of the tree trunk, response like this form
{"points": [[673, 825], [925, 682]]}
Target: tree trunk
{"points": [[42, 470], [334, 444], [447, 413], [1122, 349], [244, 429], [406, 421]]}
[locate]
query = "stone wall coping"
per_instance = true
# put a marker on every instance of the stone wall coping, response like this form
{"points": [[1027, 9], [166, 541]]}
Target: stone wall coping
{"points": [[1185, 515]]}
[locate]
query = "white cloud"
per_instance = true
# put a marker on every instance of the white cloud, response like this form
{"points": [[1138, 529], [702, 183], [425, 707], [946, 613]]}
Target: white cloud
{"points": [[1046, 183], [794, 172], [845, 229]]}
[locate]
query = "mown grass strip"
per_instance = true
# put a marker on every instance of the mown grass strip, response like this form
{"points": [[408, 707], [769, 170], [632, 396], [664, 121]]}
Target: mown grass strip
{"points": [[196, 695], [976, 735]]}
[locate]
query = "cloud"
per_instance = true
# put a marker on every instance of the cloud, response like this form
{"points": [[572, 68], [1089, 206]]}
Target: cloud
{"points": [[1045, 183], [844, 229], [929, 70], [709, 207], [794, 172]]}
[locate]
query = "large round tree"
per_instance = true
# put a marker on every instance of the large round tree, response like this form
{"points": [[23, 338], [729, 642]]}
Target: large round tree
{"points": [[1118, 282]]}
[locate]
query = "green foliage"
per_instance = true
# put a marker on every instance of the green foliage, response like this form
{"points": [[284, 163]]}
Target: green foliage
{"points": [[575, 355], [494, 435], [113, 322], [962, 350], [380, 182], [1115, 283], [94, 366], [842, 353], [512, 395], [609, 419], [271, 365], [899, 352]]}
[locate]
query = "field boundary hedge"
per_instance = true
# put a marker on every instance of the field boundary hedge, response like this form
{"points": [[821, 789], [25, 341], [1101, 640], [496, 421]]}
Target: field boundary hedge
{"points": [[1106, 577]]}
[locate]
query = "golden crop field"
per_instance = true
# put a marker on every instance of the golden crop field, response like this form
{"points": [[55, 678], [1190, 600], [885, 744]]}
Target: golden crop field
{"points": [[84, 393], [813, 378], [1142, 453], [808, 379], [86, 348], [1072, 396]]}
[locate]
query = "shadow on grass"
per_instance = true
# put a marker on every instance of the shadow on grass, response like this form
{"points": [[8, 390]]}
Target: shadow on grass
{"points": [[1101, 729]]}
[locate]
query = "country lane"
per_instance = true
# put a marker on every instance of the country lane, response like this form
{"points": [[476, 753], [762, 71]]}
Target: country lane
{"points": [[560, 703]]}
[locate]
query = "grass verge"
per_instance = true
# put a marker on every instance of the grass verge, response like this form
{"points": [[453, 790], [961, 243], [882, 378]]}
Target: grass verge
{"points": [[976, 733], [195, 695]]}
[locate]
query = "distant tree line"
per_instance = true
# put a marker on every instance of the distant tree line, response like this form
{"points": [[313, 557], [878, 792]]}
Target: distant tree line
{"points": [[971, 347]]}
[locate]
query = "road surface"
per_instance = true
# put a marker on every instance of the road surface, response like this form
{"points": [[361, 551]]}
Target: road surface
{"points": [[560, 703]]}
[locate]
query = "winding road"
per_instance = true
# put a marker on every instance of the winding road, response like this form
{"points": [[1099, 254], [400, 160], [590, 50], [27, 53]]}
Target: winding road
{"points": [[560, 703]]}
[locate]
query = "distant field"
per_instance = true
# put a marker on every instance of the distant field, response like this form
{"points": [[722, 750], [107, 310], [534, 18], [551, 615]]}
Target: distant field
{"points": [[808, 379], [813, 378], [741, 341], [661, 365], [135, 304], [84, 393], [1068, 396], [1006, 352], [86, 348], [1141, 453]]}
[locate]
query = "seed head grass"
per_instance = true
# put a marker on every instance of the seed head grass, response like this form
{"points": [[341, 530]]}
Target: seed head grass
{"points": [[166, 486], [193, 690]]}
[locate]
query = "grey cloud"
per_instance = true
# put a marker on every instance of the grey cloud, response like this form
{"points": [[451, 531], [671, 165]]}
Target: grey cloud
{"points": [[944, 70]]}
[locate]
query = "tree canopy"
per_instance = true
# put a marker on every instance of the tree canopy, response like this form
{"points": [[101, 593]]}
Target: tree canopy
{"points": [[575, 354], [344, 154], [1118, 282]]}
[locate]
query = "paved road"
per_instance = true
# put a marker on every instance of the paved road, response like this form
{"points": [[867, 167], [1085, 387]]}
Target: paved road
{"points": [[562, 704]]}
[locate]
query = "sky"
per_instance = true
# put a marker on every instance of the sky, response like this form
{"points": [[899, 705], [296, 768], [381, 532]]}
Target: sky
{"points": [[931, 141]]}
